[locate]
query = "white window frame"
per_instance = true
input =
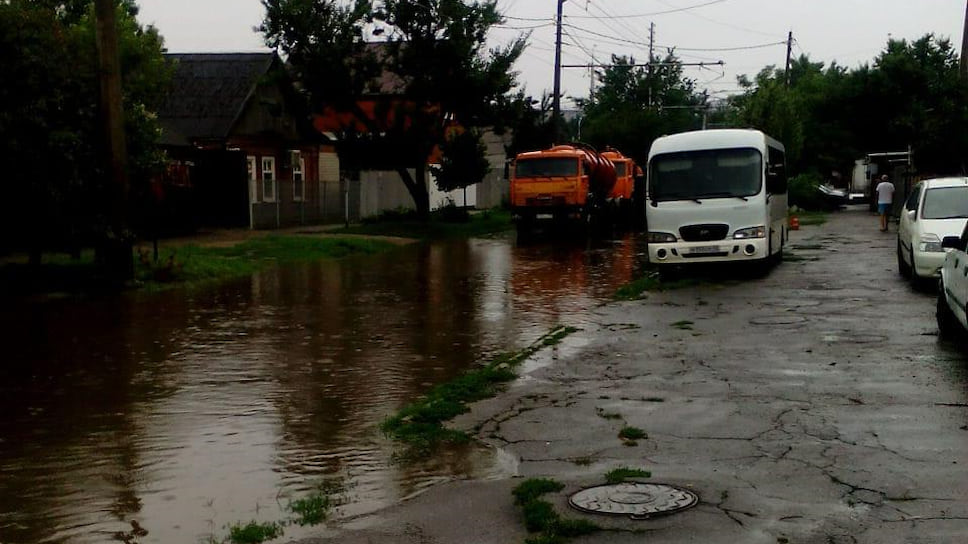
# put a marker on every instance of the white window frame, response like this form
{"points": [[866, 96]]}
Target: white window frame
{"points": [[298, 169], [250, 166], [269, 179]]}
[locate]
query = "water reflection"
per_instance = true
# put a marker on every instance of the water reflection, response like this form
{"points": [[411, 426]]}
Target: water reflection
{"points": [[185, 412]]}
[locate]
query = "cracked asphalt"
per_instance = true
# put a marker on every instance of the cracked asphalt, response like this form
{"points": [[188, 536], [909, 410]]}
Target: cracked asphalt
{"points": [[813, 405]]}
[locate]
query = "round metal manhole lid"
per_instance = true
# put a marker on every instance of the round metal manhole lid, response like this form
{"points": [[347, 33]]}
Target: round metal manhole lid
{"points": [[633, 499]]}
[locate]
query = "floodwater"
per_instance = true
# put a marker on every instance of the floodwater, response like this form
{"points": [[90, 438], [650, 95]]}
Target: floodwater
{"points": [[169, 417]]}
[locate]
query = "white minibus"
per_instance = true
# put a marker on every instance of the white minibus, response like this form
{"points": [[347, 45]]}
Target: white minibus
{"points": [[716, 195]]}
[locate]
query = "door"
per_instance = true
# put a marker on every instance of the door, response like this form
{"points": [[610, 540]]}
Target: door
{"points": [[906, 224]]}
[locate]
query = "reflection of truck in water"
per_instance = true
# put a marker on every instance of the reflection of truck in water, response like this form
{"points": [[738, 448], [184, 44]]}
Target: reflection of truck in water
{"points": [[564, 182]]}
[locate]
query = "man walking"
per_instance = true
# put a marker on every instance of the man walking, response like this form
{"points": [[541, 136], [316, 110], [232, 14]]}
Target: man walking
{"points": [[885, 197]]}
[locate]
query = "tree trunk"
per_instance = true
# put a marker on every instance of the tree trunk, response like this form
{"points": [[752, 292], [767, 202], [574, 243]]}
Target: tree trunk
{"points": [[418, 189]]}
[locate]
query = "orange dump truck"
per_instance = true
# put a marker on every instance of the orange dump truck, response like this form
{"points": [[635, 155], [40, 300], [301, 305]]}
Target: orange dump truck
{"points": [[565, 181]]}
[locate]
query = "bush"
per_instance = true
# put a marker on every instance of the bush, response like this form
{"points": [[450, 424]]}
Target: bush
{"points": [[804, 192]]}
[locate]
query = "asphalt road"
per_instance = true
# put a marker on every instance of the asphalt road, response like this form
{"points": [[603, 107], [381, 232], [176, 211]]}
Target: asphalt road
{"points": [[814, 405]]}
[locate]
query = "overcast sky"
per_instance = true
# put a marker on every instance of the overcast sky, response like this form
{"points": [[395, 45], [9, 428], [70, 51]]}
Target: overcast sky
{"points": [[745, 34]]}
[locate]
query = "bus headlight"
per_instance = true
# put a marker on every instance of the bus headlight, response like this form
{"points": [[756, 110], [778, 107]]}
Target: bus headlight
{"points": [[930, 243], [752, 232], [661, 237]]}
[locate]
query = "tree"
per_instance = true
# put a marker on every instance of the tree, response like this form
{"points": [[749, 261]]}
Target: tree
{"points": [[430, 71], [48, 131], [634, 105], [463, 162], [828, 116]]}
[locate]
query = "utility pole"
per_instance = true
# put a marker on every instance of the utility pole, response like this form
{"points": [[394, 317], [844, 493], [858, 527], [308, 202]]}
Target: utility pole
{"points": [[556, 102], [651, 58], [117, 249], [786, 73], [964, 48]]}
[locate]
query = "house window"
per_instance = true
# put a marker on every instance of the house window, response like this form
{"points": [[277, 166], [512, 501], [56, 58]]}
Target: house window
{"points": [[298, 177], [250, 170], [269, 179]]}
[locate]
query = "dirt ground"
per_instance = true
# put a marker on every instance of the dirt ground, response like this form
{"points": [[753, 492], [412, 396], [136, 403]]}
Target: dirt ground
{"points": [[815, 405]]}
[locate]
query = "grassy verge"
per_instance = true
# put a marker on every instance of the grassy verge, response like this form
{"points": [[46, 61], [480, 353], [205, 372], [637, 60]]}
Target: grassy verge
{"points": [[420, 425], [652, 281], [447, 223], [810, 218], [312, 509], [182, 265], [540, 516], [193, 264]]}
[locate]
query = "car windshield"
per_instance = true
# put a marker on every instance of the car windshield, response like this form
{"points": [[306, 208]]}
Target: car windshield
{"points": [[546, 167], [945, 203], [713, 173]]}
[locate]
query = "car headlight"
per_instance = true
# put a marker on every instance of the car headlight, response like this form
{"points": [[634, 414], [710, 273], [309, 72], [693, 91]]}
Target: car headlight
{"points": [[661, 237], [930, 243], [752, 232]]}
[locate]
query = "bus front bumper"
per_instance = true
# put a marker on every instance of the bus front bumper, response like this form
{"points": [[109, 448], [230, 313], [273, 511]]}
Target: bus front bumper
{"points": [[707, 252]]}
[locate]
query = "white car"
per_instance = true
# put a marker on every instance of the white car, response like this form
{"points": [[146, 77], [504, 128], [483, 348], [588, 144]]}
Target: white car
{"points": [[953, 288], [936, 208]]}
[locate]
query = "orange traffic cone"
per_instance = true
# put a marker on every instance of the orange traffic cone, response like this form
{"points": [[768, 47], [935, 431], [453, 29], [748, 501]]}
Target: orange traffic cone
{"points": [[794, 222]]}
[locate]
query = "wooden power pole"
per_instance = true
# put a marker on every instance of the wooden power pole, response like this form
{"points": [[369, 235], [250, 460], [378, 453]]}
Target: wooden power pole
{"points": [[964, 47], [117, 249], [556, 100]]}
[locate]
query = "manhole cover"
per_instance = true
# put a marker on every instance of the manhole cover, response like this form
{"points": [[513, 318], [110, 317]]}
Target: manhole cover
{"points": [[636, 500]]}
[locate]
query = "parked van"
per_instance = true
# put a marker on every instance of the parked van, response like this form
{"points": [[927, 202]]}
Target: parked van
{"points": [[716, 195]]}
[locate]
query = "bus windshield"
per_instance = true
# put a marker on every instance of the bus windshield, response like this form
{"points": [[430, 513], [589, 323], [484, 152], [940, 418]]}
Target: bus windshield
{"points": [[709, 173], [546, 167]]}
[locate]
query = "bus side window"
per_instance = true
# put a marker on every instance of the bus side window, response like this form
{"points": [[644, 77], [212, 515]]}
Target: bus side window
{"points": [[776, 177]]}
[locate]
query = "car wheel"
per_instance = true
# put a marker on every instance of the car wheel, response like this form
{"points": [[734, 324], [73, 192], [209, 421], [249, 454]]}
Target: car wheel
{"points": [[903, 268], [948, 326]]}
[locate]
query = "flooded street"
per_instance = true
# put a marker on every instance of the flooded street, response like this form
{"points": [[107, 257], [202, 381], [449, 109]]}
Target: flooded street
{"points": [[186, 412]]}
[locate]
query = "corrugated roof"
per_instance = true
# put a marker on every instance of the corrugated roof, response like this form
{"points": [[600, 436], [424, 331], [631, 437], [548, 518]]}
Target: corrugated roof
{"points": [[208, 92]]}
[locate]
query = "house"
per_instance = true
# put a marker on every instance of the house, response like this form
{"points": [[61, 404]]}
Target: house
{"points": [[242, 148], [371, 186]]}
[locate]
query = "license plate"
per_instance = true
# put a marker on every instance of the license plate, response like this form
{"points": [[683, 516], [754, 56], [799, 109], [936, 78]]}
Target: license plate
{"points": [[704, 249]]}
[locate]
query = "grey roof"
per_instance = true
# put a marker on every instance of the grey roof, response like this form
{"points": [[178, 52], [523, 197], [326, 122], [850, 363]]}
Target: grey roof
{"points": [[208, 93]]}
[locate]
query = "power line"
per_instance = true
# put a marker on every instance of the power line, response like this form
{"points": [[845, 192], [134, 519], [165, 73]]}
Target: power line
{"points": [[627, 16]]}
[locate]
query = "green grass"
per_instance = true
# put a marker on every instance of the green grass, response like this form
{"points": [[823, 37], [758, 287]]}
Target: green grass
{"points": [[419, 425], [652, 281], [621, 474], [191, 264], [811, 218], [540, 515], [315, 508], [254, 532], [442, 224], [632, 433], [187, 265]]}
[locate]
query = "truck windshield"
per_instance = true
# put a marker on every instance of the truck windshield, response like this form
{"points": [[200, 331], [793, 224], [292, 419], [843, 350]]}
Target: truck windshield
{"points": [[546, 167], [945, 203], [620, 168], [709, 173]]}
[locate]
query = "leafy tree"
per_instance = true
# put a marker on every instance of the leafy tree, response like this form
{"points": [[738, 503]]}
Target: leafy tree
{"points": [[431, 70], [48, 124], [910, 95], [463, 161], [634, 105]]}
